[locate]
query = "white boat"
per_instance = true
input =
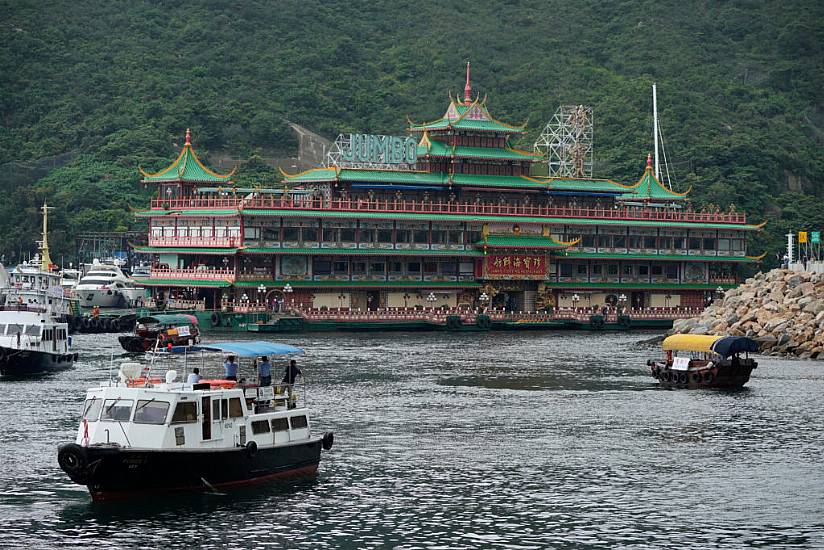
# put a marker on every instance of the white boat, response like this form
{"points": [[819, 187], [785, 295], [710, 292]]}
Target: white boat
{"points": [[69, 278], [31, 286], [105, 285], [32, 342], [153, 434]]}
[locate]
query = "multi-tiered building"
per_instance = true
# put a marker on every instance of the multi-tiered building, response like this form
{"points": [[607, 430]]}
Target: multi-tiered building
{"points": [[463, 224]]}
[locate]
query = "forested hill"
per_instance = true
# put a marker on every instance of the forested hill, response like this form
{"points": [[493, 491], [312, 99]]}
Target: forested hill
{"points": [[92, 90]]}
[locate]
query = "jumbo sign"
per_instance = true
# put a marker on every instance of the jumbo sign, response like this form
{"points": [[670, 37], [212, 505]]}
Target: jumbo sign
{"points": [[372, 149]]}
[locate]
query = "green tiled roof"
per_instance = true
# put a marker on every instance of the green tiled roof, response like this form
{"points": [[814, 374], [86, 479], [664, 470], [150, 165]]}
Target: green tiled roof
{"points": [[482, 180], [585, 185], [360, 251], [185, 250], [393, 176], [520, 241], [457, 117], [363, 284], [187, 167], [663, 257], [649, 188], [439, 149], [156, 213], [183, 282], [314, 175], [481, 218]]}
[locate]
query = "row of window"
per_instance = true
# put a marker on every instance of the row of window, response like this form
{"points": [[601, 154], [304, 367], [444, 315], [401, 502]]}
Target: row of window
{"points": [[326, 266], [637, 242], [153, 411]]}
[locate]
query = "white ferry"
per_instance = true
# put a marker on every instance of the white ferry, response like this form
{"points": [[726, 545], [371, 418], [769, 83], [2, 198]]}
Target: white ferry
{"points": [[143, 435]]}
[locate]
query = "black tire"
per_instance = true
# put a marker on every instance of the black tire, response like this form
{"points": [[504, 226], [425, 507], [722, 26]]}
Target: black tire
{"points": [[596, 322], [251, 449], [72, 459], [682, 378], [695, 378], [665, 376], [708, 377], [483, 321], [216, 321], [453, 322], [624, 321], [86, 324], [328, 440]]}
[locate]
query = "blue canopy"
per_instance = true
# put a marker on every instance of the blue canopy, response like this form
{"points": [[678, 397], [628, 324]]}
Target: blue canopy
{"points": [[243, 349], [730, 345]]}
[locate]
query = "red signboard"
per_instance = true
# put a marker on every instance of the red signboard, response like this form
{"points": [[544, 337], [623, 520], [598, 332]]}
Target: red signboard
{"points": [[515, 266]]}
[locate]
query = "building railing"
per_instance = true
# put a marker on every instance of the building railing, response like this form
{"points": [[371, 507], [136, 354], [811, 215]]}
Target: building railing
{"points": [[215, 242], [198, 274], [273, 202]]}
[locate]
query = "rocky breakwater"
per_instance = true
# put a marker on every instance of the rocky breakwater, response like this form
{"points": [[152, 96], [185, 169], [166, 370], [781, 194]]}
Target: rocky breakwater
{"points": [[781, 309]]}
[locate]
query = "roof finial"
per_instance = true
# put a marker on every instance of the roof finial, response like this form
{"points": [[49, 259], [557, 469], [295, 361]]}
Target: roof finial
{"points": [[649, 160], [467, 88], [188, 137]]}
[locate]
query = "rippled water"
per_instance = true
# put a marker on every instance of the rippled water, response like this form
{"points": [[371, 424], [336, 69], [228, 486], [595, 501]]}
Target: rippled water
{"points": [[508, 440]]}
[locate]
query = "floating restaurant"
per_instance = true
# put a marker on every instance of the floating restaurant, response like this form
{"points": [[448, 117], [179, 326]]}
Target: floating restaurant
{"points": [[451, 215]]}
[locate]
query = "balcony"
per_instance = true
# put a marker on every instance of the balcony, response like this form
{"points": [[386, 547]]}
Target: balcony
{"points": [[204, 242], [196, 274], [271, 202]]}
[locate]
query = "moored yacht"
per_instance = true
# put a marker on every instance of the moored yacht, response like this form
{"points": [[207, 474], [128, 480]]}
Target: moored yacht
{"points": [[32, 342], [150, 434], [105, 285]]}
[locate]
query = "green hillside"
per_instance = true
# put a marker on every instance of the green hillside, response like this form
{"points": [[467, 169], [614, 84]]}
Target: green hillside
{"points": [[92, 90]]}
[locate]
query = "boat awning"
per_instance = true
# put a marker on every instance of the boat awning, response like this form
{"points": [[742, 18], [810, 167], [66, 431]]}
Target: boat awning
{"points": [[169, 319], [722, 345], [243, 349]]}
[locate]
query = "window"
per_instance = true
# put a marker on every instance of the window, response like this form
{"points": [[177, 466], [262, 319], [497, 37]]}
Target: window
{"points": [[430, 268], [582, 269], [628, 270], [695, 243], [384, 235], [330, 235], [438, 236], [619, 241], [395, 267], [377, 268], [322, 266], [32, 330], [421, 236], [310, 234], [672, 271], [216, 409], [588, 241], [298, 422], [455, 236], [341, 267], [149, 411], [235, 408], [91, 409], [280, 424], [117, 409], [2, 329], [347, 235], [358, 268], [650, 242], [185, 412], [403, 235], [597, 269], [709, 244], [657, 270], [723, 245], [291, 234], [367, 235], [634, 241], [449, 268], [643, 270], [260, 427], [604, 241], [413, 267], [566, 270], [612, 269]]}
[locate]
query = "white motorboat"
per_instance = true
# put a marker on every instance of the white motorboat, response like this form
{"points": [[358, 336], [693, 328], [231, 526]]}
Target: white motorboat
{"points": [[31, 286], [69, 278], [32, 342], [152, 434], [105, 285]]}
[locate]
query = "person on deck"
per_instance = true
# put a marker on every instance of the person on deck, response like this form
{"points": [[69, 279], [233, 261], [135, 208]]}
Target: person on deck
{"points": [[291, 373], [265, 371], [194, 377], [230, 368]]}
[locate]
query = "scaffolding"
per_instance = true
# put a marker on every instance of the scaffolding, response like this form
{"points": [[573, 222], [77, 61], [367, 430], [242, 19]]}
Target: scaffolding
{"points": [[118, 245], [566, 142]]}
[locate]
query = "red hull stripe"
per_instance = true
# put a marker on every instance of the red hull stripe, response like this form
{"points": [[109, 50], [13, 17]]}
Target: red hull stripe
{"points": [[99, 496]]}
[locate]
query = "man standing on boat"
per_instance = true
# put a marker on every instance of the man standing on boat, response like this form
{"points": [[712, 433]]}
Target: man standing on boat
{"points": [[265, 371], [230, 368], [289, 377]]}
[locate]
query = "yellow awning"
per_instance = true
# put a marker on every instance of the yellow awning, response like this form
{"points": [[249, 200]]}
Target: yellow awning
{"points": [[690, 342]]}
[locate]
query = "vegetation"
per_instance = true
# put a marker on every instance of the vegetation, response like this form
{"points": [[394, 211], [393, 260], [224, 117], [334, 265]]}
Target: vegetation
{"points": [[92, 90]]}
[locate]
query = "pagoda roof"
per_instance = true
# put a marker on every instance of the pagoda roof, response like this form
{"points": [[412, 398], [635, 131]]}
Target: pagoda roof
{"points": [[412, 177], [575, 185], [187, 167], [523, 241], [472, 116], [649, 188], [434, 148]]}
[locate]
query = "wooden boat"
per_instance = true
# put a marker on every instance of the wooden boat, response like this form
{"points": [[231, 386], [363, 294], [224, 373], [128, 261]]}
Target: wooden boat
{"points": [[160, 331], [148, 434], [700, 361]]}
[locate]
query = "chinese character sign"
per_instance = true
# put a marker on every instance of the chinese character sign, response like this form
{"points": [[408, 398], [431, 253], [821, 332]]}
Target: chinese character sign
{"points": [[802, 236], [815, 237], [512, 265]]}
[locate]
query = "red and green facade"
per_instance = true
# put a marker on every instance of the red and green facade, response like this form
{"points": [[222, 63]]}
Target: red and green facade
{"points": [[469, 220]]}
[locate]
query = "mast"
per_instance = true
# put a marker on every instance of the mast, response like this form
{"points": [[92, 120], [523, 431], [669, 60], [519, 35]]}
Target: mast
{"points": [[45, 260], [655, 129]]}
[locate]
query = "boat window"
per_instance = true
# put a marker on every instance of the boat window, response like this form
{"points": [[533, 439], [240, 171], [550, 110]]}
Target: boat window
{"points": [[298, 422], [280, 424], [91, 409], [32, 330], [185, 413], [2, 329], [216, 409], [260, 427], [235, 408], [117, 409], [149, 411]]}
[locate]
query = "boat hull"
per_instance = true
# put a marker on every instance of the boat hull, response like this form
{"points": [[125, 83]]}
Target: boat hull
{"points": [[115, 473], [720, 376], [14, 362]]}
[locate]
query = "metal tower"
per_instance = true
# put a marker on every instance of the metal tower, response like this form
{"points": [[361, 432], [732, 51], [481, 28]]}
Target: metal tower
{"points": [[566, 142]]}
